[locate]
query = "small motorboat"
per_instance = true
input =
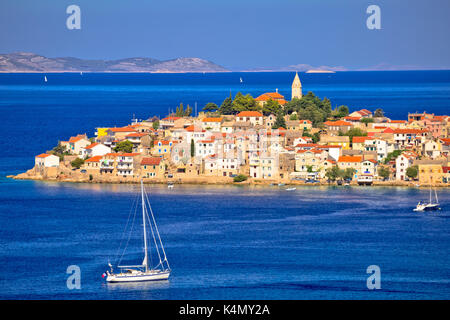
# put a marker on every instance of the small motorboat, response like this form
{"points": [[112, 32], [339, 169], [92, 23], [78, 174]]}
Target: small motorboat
{"points": [[170, 185], [291, 189]]}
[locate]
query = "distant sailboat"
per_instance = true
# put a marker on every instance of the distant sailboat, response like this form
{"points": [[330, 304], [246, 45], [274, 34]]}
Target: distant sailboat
{"points": [[430, 206], [81, 73], [144, 272], [240, 80], [45, 78]]}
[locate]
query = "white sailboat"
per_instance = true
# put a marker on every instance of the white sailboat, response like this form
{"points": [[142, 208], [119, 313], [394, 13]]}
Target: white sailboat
{"points": [[45, 78], [430, 206], [144, 272], [240, 80]]}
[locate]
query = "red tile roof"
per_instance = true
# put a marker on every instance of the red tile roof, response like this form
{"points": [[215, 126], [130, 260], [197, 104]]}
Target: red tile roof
{"points": [[151, 161], [136, 134], [409, 131], [91, 145], [271, 95], [212, 120], [250, 114], [337, 123], [171, 118], [94, 159], [360, 139], [122, 129], [350, 159], [43, 155]]}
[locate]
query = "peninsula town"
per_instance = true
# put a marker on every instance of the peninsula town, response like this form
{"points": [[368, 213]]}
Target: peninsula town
{"points": [[263, 140]]}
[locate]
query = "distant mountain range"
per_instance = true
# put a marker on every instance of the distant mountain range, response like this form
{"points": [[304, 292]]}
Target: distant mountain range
{"points": [[31, 62], [297, 67]]}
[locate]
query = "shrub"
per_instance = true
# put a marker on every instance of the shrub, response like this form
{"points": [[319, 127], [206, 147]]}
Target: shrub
{"points": [[240, 178], [77, 163]]}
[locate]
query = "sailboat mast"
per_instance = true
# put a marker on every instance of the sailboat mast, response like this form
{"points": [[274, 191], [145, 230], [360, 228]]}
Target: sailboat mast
{"points": [[145, 231]]}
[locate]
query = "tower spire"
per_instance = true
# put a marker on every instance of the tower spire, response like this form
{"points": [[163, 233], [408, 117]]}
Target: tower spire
{"points": [[296, 87]]}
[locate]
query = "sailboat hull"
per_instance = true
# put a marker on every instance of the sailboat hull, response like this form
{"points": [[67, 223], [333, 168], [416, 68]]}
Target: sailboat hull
{"points": [[138, 277]]}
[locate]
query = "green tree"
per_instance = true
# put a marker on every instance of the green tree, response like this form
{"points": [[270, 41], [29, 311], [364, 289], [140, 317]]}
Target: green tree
{"points": [[124, 146], [210, 107], [333, 173], [353, 132], [384, 172], [366, 120], [155, 124], [348, 173], [293, 117], [192, 148], [341, 111], [392, 155], [180, 110], [315, 137], [271, 106], [77, 163], [244, 103], [412, 172], [379, 113], [188, 111], [279, 122], [227, 106], [309, 107]]}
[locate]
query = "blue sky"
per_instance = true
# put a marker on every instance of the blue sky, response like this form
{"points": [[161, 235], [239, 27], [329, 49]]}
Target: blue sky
{"points": [[236, 34]]}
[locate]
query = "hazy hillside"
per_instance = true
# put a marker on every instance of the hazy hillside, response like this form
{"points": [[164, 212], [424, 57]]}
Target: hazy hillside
{"points": [[30, 62]]}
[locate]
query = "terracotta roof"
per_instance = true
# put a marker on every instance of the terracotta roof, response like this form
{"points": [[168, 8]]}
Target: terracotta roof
{"points": [[306, 145], [192, 128], [212, 120], [94, 159], [398, 121], [122, 129], [270, 95], [328, 146], [250, 114], [311, 150], [164, 142], [77, 138], [352, 118], [360, 139], [152, 161], [43, 155], [136, 134], [92, 145], [350, 159], [171, 118], [337, 123], [409, 131]]}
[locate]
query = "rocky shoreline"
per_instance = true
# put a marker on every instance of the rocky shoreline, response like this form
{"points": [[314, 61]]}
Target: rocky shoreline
{"points": [[201, 180]]}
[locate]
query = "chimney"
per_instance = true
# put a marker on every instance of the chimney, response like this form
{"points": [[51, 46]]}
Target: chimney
{"points": [[276, 90]]}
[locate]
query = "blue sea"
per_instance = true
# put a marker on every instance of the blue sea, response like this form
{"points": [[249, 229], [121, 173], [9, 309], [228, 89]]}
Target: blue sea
{"points": [[229, 242]]}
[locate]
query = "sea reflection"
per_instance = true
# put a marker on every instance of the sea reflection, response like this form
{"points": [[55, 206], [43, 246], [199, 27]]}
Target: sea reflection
{"points": [[137, 286]]}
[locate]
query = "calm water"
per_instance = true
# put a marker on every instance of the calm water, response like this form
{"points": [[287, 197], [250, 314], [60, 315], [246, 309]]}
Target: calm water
{"points": [[222, 242]]}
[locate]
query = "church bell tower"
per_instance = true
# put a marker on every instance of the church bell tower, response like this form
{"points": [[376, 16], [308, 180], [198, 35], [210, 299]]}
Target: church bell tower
{"points": [[296, 88]]}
